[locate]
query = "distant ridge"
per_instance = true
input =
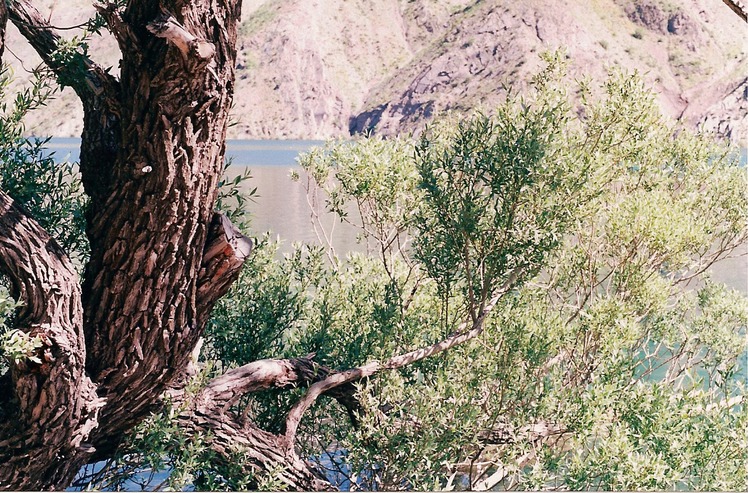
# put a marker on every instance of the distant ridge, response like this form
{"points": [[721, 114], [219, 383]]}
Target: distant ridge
{"points": [[317, 69]]}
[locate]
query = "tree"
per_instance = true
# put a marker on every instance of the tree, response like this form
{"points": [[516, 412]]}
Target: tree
{"points": [[608, 369], [620, 366], [487, 200], [151, 157]]}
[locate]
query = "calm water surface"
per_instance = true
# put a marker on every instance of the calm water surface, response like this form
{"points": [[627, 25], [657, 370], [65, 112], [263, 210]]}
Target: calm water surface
{"points": [[282, 207]]}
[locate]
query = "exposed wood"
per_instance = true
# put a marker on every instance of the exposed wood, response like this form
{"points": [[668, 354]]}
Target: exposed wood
{"points": [[226, 390], [167, 27], [224, 254]]}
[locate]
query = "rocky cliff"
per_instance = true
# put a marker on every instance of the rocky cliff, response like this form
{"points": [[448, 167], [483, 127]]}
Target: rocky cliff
{"points": [[328, 68]]}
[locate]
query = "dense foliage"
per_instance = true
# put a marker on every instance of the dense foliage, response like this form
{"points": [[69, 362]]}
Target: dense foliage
{"points": [[616, 365], [50, 191]]}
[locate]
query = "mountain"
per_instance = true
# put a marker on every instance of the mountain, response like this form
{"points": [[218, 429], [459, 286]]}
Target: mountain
{"points": [[325, 68]]}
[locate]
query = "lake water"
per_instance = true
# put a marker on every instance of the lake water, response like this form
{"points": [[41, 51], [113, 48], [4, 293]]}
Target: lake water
{"points": [[282, 207]]}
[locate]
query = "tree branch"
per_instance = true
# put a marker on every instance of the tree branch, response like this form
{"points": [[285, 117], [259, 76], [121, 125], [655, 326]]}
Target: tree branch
{"points": [[264, 374], [461, 336], [117, 26], [250, 448], [56, 402], [335, 380], [739, 8], [227, 389], [167, 27], [45, 40], [98, 91], [226, 249], [3, 23], [231, 434]]}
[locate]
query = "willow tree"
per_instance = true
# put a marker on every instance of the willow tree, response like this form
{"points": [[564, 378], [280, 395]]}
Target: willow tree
{"points": [[108, 346], [90, 358]]}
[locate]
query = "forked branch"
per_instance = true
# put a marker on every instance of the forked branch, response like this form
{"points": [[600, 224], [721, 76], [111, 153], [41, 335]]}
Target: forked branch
{"points": [[92, 82], [98, 91], [117, 26], [226, 390], [469, 329]]}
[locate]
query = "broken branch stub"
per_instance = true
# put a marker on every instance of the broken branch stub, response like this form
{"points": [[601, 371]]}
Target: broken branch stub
{"points": [[167, 27]]}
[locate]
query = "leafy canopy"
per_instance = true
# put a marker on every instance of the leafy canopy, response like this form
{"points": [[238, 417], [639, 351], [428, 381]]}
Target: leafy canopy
{"points": [[614, 363]]}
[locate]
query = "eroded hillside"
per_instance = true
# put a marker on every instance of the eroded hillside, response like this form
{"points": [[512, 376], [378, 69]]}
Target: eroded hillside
{"points": [[324, 68]]}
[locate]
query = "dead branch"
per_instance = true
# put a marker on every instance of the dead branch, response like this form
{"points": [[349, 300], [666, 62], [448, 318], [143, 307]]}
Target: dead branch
{"points": [[169, 28], [226, 249], [226, 390]]}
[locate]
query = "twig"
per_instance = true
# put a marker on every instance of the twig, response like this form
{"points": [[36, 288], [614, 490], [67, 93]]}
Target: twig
{"points": [[461, 336]]}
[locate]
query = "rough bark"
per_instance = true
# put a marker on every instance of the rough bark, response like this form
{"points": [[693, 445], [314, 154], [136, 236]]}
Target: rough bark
{"points": [[141, 311], [739, 8], [258, 450], [152, 153], [3, 23], [232, 434], [54, 405]]}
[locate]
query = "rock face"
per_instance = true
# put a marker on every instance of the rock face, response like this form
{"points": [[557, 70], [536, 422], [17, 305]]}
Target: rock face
{"points": [[491, 45], [648, 14], [329, 68], [729, 117]]}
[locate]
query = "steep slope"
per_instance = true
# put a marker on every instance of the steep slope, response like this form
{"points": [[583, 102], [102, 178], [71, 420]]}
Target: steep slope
{"points": [[306, 65], [324, 68], [691, 56]]}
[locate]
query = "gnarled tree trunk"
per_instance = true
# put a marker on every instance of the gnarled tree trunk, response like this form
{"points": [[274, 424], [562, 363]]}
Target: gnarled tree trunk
{"points": [[151, 156], [107, 349]]}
